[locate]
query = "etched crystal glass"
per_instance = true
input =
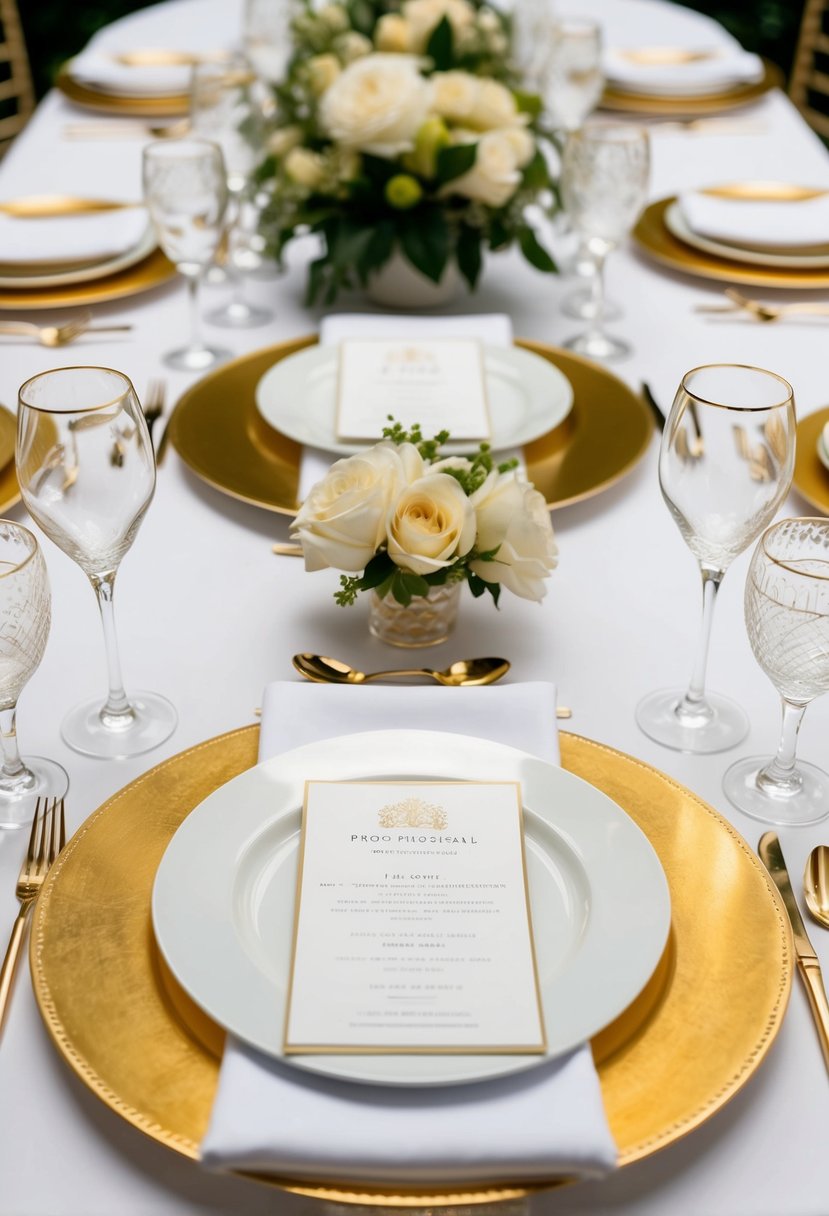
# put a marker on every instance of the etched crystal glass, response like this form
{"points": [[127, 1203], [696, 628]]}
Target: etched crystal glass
{"points": [[427, 621], [25, 617], [787, 618], [725, 465], [570, 79], [87, 475]]}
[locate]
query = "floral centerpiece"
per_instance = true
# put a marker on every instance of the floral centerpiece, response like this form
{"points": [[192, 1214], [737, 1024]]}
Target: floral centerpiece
{"points": [[409, 526], [401, 132]]}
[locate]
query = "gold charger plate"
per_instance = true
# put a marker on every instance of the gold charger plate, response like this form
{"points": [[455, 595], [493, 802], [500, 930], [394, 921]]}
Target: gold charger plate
{"points": [[694, 107], [141, 276], [9, 489], [117, 103], [655, 240], [220, 434], [811, 477], [683, 1049]]}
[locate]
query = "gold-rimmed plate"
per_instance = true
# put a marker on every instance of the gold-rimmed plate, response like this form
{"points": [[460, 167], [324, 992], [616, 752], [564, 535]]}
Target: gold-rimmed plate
{"points": [[697, 1033], [119, 103], [142, 276], [811, 476], [655, 239], [699, 106], [220, 434]]}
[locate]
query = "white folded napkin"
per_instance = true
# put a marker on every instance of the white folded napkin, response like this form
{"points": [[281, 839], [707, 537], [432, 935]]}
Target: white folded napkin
{"points": [[784, 225], [492, 328], [73, 239], [727, 67], [271, 1118], [101, 70]]}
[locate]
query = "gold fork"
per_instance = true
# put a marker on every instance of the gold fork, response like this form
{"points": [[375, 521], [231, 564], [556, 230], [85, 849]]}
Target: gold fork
{"points": [[47, 838], [60, 335], [764, 312]]}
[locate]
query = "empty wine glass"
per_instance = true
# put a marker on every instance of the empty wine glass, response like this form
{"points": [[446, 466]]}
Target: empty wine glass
{"points": [[787, 617], [87, 474], [266, 26], [185, 188], [25, 616], [227, 106], [725, 465], [570, 77], [604, 181]]}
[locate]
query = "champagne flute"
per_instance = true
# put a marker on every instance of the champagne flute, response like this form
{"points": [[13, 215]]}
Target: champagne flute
{"points": [[185, 188], [604, 181], [87, 474], [227, 107], [787, 617], [25, 616], [725, 465]]}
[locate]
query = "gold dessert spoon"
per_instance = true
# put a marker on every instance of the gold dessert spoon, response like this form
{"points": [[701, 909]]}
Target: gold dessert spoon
{"points": [[51, 206], [765, 192], [816, 884], [464, 673]]}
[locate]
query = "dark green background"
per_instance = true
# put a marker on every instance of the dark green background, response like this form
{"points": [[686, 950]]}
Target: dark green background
{"points": [[56, 29]]}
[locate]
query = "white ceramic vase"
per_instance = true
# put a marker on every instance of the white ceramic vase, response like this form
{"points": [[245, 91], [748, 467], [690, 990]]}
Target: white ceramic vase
{"points": [[398, 285]]}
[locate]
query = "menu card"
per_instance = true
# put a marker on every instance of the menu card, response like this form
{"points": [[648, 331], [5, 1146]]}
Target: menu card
{"points": [[437, 382], [413, 930]]}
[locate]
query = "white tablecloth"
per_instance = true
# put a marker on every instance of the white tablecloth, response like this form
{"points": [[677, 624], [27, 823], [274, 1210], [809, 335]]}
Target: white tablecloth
{"points": [[207, 615]]}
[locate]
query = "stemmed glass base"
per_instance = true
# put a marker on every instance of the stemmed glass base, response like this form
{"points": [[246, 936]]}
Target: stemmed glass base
{"points": [[802, 799], [151, 721], [718, 724], [597, 345], [581, 305], [238, 314], [41, 778], [195, 358]]}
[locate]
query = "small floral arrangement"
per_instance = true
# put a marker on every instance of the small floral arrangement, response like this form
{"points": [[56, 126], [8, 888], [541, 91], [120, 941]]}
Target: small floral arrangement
{"points": [[399, 519], [401, 129]]}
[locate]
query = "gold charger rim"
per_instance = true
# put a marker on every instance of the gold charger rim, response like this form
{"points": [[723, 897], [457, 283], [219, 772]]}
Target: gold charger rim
{"points": [[152, 271], [637, 409], [9, 488], [694, 107], [811, 477], [137, 106], [579, 755], [658, 243]]}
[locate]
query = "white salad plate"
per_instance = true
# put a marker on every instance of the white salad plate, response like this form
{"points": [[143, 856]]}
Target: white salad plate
{"points": [[677, 225], [223, 899], [84, 273], [527, 397]]}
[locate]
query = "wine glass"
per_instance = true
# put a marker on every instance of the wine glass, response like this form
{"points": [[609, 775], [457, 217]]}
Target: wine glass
{"points": [[787, 617], [604, 181], [185, 188], [25, 616], [725, 466], [570, 76], [87, 474], [266, 27], [228, 108]]}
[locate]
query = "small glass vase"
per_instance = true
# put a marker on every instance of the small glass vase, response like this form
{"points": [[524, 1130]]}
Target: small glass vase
{"points": [[427, 621]]}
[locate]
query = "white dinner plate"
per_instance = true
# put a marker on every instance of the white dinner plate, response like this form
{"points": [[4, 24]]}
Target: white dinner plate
{"points": [[85, 273], [223, 899], [676, 224], [527, 397]]}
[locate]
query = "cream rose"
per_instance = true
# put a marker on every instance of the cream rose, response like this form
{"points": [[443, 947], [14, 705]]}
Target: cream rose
{"points": [[283, 139], [305, 167], [323, 70], [422, 16], [393, 33], [377, 105], [342, 522], [480, 105], [496, 173], [431, 524], [512, 516]]}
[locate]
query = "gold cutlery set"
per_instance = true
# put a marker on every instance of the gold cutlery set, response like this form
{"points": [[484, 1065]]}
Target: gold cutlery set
{"points": [[741, 307], [59, 335]]}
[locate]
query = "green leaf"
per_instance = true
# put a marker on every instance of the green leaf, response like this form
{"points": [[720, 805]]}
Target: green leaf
{"points": [[377, 571], [468, 254], [476, 585], [454, 162], [528, 103], [415, 583], [499, 234], [400, 591], [426, 241], [536, 174], [441, 45], [379, 249], [534, 251]]}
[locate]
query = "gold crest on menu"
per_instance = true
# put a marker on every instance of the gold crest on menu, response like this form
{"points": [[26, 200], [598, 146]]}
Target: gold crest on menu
{"points": [[413, 813]]}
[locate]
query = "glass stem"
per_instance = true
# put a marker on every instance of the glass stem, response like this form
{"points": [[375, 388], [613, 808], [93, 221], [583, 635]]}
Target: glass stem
{"points": [[597, 296], [693, 708], [13, 766], [193, 280], [117, 711], [781, 774]]}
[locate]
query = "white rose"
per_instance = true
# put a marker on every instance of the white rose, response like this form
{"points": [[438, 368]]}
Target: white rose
{"points": [[305, 167], [353, 46], [495, 106], [323, 70], [431, 524], [283, 140], [455, 94], [479, 105], [513, 517], [495, 175], [342, 522], [377, 105], [334, 16], [423, 16], [393, 33]]}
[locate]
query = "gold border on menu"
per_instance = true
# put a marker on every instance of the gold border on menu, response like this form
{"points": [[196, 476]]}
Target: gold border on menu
{"points": [[334, 1049]]}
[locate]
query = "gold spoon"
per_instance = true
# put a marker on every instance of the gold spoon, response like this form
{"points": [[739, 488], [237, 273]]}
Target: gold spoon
{"points": [[51, 206], [464, 673], [765, 192], [816, 884]]}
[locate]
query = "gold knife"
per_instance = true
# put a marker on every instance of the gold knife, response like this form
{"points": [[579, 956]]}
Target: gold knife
{"points": [[808, 966]]}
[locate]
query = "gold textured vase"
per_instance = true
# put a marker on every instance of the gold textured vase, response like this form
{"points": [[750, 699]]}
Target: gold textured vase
{"points": [[426, 621]]}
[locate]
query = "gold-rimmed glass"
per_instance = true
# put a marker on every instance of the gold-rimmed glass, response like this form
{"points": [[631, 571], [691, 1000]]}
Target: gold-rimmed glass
{"points": [[725, 465], [787, 618], [86, 469]]}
